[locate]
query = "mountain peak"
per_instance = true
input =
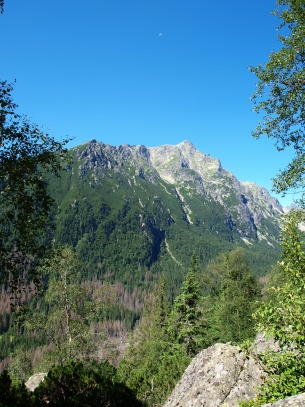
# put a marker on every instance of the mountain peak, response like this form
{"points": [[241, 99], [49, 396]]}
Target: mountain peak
{"points": [[186, 143]]}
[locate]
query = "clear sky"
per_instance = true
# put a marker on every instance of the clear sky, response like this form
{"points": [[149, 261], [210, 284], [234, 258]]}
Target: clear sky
{"points": [[146, 72]]}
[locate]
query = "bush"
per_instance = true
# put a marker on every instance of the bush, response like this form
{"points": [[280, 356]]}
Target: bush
{"points": [[79, 384], [13, 394]]}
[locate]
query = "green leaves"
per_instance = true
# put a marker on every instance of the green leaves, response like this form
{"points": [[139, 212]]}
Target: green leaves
{"points": [[280, 93], [85, 384], [282, 317], [76, 384], [234, 299], [65, 321], [27, 155], [154, 361]]}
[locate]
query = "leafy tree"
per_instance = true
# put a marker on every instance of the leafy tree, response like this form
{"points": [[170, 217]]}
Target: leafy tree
{"points": [[13, 394], [20, 366], [282, 85], [186, 322], [72, 385], [282, 317], [27, 155], [78, 384], [280, 94], [64, 320]]}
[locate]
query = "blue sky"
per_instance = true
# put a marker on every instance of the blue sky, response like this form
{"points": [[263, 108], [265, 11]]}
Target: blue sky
{"points": [[146, 72]]}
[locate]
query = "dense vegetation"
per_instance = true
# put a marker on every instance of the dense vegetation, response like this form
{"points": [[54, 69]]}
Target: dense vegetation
{"points": [[280, 96], [104, 264], [59, 325], [27, 155], [126, 228], [166, 338], [75, 384], [103, 261]]}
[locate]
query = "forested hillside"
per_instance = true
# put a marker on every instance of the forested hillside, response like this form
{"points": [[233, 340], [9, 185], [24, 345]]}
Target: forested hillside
{"points": [[130, 218], [133, 216], [120, 263]]}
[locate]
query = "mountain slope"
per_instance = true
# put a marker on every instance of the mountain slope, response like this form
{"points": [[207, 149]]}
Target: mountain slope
{"points": [[133, 212]]}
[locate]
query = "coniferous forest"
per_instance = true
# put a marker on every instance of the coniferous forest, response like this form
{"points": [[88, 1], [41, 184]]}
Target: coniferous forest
{"points": [[101, 300], [112, 280]]}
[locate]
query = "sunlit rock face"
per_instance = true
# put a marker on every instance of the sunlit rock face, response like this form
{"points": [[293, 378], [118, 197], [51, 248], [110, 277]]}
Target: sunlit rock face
{"points": [[219, 376], [250, 209]]}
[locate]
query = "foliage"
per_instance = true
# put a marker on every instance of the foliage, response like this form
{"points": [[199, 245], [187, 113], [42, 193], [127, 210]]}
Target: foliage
{"points": [[282, 79], [231, 293], [164, 341], [153, 363], [286, 378], [281, 87], [282, 317], [234, 295], [13, 394], [20, 366], [186, 324], [66, 324], [79, 384], [27, 155], [72, 385]]}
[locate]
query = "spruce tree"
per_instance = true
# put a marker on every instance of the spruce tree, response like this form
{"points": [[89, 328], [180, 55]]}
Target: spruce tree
{"points": [[235, 300], [153, 363], [186, 321]]}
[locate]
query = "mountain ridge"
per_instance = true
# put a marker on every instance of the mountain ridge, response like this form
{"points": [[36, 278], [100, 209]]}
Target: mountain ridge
{"points": [[125, 208], [183, 164]]}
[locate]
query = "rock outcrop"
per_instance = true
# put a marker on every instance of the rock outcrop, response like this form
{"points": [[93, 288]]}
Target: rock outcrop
{"points": [[263, 343], [294, 401], [34, 381], [219, 376]]}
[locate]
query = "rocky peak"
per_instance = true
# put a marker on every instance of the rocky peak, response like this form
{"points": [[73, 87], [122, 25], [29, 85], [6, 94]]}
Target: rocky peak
{"points": [[187, 168], [262, 194]]}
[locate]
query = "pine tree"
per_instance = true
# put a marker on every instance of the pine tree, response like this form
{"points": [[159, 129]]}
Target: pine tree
{"points": [[235, 300], [186, 321], [153, 362]]}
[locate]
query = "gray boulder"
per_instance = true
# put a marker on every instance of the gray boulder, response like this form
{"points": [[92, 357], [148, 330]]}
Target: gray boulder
{"points": [[262, 343], [219, 376], [294, 401], [34, 381]]}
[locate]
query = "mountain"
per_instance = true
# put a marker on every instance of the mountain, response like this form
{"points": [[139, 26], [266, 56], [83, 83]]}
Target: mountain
{"points": [[134, 212]]}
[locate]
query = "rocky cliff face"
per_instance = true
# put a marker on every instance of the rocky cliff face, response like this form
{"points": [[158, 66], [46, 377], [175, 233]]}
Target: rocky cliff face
{"points": [[249, 209], [219, 376], [223, 376]]}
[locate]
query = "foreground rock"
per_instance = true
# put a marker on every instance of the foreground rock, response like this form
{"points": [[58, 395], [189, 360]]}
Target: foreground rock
{"points": [[34, 381], [294, 401], [221, 375], [263, 343]]}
